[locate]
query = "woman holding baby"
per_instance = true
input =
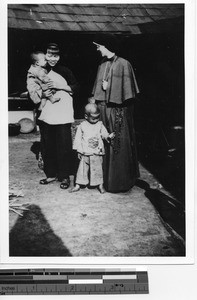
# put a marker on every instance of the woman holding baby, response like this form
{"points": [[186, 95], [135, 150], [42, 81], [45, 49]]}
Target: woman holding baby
{"points": [[55, 118]]}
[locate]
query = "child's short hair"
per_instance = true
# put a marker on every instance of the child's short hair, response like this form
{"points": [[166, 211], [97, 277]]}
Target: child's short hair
{"points": [[34, 56], [92, 108]]}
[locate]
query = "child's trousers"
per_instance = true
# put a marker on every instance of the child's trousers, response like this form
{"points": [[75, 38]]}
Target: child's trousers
{"points": [[90, 170]]}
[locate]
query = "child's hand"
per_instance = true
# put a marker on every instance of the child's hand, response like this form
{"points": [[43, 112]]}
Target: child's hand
{"points": [[112, 135], [45, 87], [51, 84], [91, 100], [79, 156], [47, 94]]}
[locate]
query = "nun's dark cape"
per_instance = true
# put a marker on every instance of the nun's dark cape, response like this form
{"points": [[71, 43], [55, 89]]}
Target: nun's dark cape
{"points": [[120, 162], [122, 83]]}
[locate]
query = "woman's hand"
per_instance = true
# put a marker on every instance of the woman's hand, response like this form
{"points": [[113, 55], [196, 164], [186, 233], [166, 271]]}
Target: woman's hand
{"points": [[47, 94], [58, 86], [51, 84]]}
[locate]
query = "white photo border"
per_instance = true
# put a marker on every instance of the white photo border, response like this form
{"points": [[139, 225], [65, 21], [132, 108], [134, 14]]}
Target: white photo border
{"points": [[5, 260]]}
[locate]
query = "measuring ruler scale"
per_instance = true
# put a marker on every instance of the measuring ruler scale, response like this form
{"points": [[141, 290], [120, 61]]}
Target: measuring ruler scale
{"points": [[73, 281]]}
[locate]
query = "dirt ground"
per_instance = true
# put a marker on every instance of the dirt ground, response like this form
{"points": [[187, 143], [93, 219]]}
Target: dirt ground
{"points": [[86, 223]]}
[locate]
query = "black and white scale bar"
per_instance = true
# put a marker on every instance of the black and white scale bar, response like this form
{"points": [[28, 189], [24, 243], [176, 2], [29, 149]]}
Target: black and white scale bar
{"points": [[75, 281]]}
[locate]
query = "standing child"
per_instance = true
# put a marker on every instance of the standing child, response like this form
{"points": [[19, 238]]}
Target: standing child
{"points": [[39, 73], [89, 144]]}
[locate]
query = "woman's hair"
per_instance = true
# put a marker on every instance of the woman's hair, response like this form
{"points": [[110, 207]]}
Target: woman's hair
{"points": [[91, 108], [34, 56], [53, 48]]}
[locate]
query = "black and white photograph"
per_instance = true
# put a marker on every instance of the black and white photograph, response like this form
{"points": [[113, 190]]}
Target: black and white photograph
{"points": [[96, 130]]}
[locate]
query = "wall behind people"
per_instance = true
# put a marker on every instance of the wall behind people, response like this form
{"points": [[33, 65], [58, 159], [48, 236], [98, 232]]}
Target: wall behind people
{"points": [[158, 60]]}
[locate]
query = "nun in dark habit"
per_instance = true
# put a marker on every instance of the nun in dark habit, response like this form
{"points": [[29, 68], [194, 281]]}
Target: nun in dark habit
{"points": [[114, 91]]}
